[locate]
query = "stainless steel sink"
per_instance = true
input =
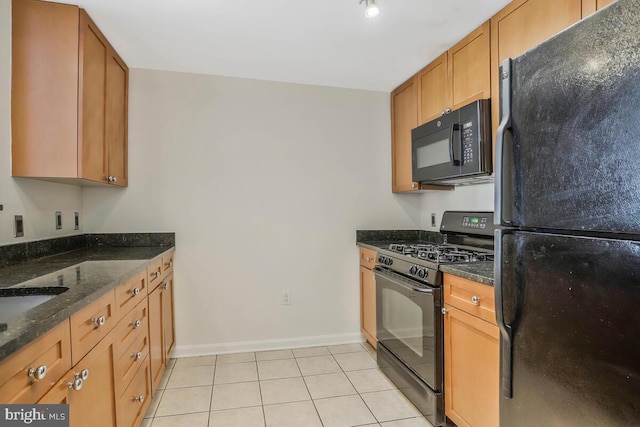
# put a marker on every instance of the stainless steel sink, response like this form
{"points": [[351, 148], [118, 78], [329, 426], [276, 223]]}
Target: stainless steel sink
{"points": [[15, 301]]}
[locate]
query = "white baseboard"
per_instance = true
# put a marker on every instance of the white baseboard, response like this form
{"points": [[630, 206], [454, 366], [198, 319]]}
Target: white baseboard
{"points": [[265, 345]]}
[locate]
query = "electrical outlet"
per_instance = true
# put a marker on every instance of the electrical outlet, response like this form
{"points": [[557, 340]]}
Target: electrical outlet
{"points": [[76, 221], [58, 220], [433, 219], [18, 226], [286, 298]]}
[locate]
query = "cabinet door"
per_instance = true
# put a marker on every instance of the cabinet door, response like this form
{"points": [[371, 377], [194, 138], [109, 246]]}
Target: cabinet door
{"points": [[92, 156], [92, 400], [404, 117], [168, 324], [471, 367], [469, 69], [591, 6], [434, 91], [116, 119], [156, 346], [368, 305], [522, 25]]}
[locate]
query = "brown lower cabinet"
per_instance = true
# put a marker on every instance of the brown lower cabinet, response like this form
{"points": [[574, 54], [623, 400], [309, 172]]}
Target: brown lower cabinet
{"points": [[471, 354], [368, 296], [102, 361], [88, 388], [161, 328]]}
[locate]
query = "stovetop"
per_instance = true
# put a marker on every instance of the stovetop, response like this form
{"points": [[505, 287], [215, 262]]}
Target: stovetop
{"points": [[468, 237]]}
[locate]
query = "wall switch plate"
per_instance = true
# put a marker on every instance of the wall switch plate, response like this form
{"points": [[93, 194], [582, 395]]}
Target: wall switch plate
{"points": [[433, 219], [76, 221], [1, 207], [18, 226], [286, 298], [58, 220]]}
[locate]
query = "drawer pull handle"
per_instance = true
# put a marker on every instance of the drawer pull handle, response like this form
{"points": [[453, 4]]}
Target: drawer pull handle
{"points": [[139, 399], [136, 324], [444, 310], [38, 373], [75, 384], [137, 356], [135, 291], [99, 321], [165, 286], [475, 300], [168, 264]]}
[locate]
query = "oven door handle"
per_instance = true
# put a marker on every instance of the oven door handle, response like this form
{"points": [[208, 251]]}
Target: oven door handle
{"points": [[399, 280]]}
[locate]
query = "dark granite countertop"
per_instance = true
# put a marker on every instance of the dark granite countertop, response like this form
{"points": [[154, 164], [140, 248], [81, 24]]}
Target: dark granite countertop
{"points": [[88, 272], [481, 271]]}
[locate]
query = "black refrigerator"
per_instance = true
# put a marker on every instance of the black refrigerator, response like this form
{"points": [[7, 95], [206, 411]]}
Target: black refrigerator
{"points": [[567, 265]]}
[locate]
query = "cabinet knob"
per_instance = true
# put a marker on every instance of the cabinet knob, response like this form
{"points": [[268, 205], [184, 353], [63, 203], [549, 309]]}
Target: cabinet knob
{"points": [[75, 384], [414, 185], [168, 264], [99, 321], [135, 291], [447, 111], [112, 178], [38, 373], [139, 399], [475, 300], [84, 374], [442, 113], [137, 356], [158, 274], [444, 310], [136, 323], [165, 286], [368, 259]]}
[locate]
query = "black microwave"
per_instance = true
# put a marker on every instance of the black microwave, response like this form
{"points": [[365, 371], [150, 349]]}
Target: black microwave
{"points": [[454, 148]]}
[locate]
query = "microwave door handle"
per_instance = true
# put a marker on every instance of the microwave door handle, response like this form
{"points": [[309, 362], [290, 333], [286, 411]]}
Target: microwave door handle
{"points": [[452, 154]]}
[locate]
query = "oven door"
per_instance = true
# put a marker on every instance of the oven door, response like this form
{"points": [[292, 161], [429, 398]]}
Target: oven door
{"points": [[409, 324]]}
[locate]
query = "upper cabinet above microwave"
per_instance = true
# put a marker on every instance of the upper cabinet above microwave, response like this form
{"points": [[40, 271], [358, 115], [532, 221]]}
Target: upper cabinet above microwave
{"points": [[69, 97], [457, 77]]}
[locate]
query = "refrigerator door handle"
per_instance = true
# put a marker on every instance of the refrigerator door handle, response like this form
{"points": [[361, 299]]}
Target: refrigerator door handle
{"points": [[506, 333], [503, 128]]}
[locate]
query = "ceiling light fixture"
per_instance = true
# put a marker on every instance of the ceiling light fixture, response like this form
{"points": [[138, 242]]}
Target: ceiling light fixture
{"points": [[370, 9]]}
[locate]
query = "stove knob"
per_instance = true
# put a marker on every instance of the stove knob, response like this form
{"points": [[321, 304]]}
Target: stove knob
{"points": [[380, 259], [413, 270], [423, 273], [388, 261]]}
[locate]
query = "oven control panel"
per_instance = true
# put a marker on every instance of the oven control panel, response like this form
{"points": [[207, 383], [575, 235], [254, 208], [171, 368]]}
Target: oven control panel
{"points": [[475, 222]]}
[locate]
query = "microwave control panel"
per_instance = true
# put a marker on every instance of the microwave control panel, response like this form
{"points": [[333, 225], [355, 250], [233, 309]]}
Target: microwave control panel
{"points": [[467, 142]]}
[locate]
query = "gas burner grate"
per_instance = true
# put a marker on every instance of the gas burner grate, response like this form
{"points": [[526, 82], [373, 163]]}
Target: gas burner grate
{"points": [[440, 253]]}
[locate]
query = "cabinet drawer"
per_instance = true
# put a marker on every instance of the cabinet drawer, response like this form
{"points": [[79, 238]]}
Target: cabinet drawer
{"points": [[134, 402], [154, 274], [130, 361], [90, 325], [167, 263], [130, 327], [472, 297], [130, 293], [367, 258], [52, 350]]}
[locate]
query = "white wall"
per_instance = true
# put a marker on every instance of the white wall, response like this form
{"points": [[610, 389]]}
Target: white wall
{"points": [[264, 184], [466, 198], [36, 201]]}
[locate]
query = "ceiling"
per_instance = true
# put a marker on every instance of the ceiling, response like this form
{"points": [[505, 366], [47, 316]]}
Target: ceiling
{"points": [[318, 42]]}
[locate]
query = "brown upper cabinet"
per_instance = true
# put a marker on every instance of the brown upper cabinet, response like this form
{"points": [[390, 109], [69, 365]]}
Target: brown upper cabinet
{"points": [[69, 97], [404, 117], [457, 77]]}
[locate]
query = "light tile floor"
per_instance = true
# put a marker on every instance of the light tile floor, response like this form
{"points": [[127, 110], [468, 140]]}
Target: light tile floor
{"points": [[332, 386]]}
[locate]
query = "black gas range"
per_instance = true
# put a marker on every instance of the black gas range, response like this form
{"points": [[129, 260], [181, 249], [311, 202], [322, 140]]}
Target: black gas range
{"points": [[409, 301], [468, 237]]}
